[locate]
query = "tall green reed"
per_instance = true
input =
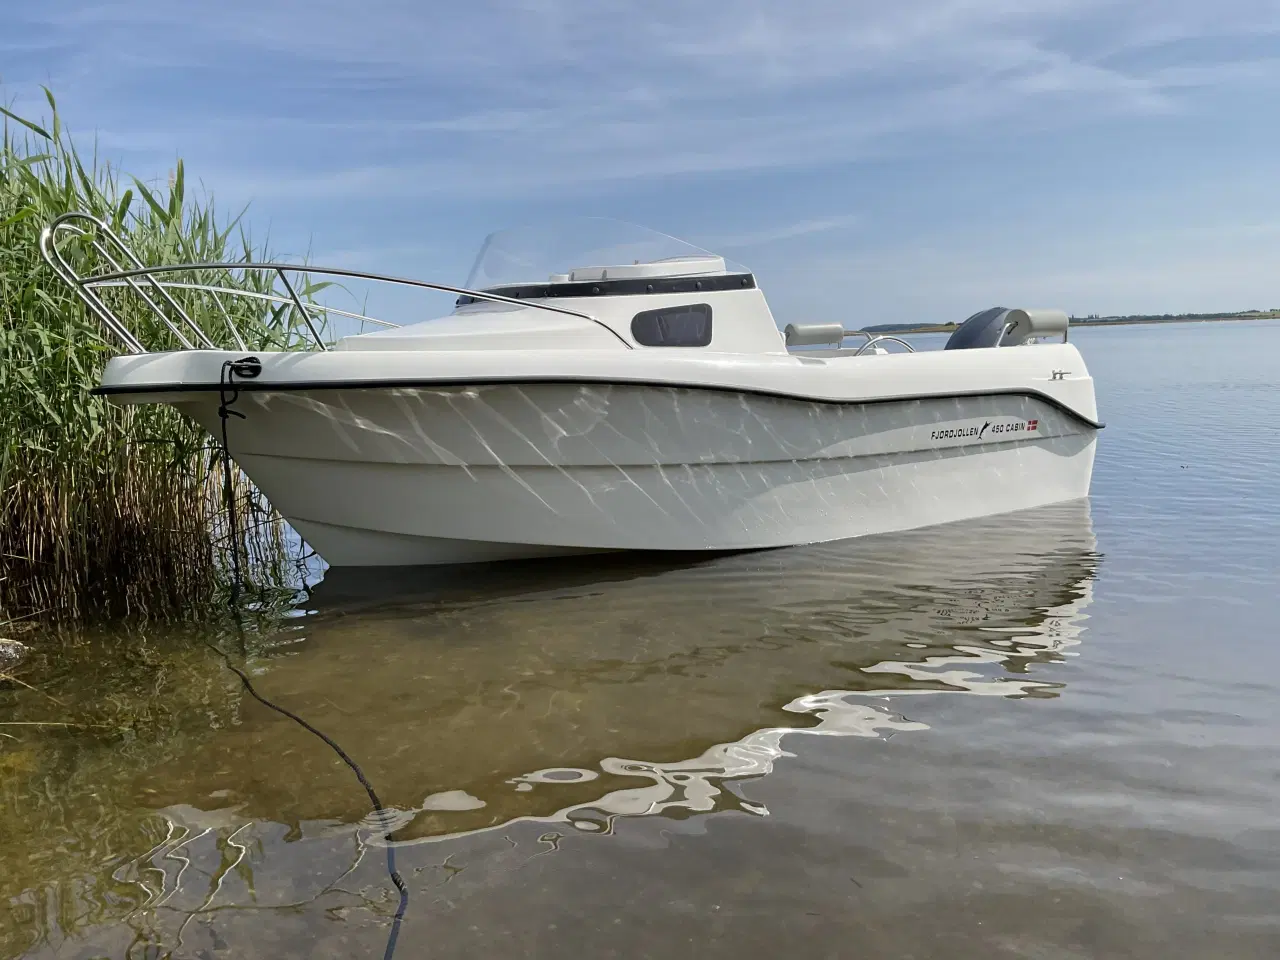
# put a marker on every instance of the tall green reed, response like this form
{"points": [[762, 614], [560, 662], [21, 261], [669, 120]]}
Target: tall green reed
{"points": [[110, 511]]}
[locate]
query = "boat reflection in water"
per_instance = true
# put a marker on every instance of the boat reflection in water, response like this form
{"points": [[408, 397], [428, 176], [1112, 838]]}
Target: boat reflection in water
{"points": [[511, 706], [586, 690]]}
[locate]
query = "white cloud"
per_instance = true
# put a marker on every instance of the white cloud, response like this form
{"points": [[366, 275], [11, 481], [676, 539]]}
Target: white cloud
{"points": [[769, 235], [391, 97]]}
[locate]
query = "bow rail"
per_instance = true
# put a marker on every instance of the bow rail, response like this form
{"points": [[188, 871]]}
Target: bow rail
{"points": [[156, 291]]}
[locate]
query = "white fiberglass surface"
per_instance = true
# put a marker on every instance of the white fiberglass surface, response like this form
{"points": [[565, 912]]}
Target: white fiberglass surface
{"points": [[553, 251]]}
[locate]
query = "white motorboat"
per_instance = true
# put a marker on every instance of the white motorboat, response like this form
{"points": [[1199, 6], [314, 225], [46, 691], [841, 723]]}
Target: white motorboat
{"points": [[632, 393]]}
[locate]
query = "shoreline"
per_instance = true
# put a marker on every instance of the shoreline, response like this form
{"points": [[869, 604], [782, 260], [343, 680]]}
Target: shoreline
{"points": [[1077, 324]]}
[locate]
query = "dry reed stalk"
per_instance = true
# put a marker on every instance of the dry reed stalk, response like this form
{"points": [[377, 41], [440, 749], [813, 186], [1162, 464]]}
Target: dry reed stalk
{"points": [[108, 511]]}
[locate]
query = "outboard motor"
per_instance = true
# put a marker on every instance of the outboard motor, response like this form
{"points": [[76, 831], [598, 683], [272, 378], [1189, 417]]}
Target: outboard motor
{"points": [[1002, 327]]}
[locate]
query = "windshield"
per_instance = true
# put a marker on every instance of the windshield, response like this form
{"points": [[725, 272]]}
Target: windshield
{"points": [[587, 248]]}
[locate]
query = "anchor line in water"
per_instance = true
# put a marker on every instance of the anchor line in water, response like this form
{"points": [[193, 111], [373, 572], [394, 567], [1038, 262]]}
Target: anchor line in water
{"points": [[228, 394]]}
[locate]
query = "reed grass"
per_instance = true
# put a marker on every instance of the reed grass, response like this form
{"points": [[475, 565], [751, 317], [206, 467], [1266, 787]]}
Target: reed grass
{"points": [[110, 511]]}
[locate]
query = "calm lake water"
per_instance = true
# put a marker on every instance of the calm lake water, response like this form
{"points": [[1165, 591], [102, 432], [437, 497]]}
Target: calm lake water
{"points": [[1045, 735]]}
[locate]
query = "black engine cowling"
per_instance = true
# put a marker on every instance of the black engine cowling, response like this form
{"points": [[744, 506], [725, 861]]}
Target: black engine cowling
{"points": [[983, 329]]}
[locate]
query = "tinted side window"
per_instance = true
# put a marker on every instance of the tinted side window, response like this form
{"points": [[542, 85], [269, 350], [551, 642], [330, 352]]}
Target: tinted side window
{"points": [[688, 325]]}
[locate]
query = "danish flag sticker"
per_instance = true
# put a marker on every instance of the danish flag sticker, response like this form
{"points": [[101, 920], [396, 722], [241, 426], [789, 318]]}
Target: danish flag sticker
{"points": [[1033, 424]]}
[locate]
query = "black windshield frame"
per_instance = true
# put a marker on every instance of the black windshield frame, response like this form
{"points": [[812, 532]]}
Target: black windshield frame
{"points": [[621, 288]]}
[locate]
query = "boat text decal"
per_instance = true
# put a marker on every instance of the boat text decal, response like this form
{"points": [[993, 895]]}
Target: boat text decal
{"points": [[986, 430]]}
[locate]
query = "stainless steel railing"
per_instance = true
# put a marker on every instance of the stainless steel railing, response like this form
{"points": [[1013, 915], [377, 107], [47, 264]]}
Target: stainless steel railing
{"points": [[151, 285], [872, 341]]}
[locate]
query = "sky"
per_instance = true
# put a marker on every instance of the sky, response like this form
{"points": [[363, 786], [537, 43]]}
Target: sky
{"points": [[870, 161]]}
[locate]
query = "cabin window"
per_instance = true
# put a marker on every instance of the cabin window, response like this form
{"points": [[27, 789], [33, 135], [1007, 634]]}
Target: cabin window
{"points": [[688, 325]]}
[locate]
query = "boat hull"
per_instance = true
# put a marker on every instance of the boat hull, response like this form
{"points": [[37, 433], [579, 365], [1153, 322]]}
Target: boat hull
{"points": [[455, 474]]}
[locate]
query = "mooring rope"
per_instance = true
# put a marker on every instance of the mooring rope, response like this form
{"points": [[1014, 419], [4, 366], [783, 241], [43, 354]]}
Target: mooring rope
{"points": [[228, 393]]}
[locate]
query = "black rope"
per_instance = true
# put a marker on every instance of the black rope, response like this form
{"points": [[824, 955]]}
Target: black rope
{"points": [[379, 809], [228, 394]]}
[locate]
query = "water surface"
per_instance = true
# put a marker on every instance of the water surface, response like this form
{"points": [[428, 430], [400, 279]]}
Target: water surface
{"points": [[1050, 734]]}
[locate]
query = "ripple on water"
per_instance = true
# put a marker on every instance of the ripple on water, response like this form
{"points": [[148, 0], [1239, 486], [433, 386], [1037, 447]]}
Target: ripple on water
{"points": [[1002, 737]]}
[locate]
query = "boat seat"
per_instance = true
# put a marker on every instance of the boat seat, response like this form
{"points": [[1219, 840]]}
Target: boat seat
{"points": [[814, 334]]}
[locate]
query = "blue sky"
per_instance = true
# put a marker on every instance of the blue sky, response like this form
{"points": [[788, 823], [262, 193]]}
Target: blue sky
{"points": [[873, 162]]}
